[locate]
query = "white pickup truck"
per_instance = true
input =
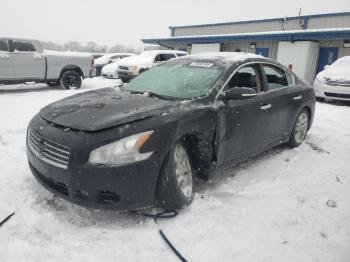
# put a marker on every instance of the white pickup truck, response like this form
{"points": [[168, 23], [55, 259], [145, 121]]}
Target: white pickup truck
{"points": [[24, 60]]}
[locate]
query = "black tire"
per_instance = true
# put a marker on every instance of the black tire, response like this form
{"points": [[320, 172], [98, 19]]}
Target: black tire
{"points": [[320, 99], [53, 83], [70, 80], [300, 129], [170, 192]]}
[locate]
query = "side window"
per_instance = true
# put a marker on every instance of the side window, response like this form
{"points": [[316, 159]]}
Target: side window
{"points": [[164, 57], [246, 76], [158, 58], [180, 54], [4, 45], [23, 46], [276, 77], [169, 56]]}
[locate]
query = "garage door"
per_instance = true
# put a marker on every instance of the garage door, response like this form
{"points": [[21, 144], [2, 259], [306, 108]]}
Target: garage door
{"points": [[205, 48], [302, 55]]}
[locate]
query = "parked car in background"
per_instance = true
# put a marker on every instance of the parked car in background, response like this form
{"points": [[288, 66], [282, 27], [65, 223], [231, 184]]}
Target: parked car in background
{"points": [[107, 59], [133, 66], [111, 70], [24, 60], [196, 114], [334, 81], [97, 55]]}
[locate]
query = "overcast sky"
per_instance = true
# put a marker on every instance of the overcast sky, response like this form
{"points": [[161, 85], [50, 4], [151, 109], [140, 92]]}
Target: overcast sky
{"points": [[110, 22]]}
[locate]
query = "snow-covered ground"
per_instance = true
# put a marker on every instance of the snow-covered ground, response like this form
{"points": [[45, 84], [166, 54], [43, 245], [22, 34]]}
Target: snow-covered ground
{"points": [[271, 208]]}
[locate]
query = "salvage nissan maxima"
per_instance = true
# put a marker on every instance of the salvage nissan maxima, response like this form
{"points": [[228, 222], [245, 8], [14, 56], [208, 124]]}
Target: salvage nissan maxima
{"points": [[184, 119]]}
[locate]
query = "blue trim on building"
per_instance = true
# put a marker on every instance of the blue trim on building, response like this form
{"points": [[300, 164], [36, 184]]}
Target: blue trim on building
{"points": [[282, 36], [265, 20]]}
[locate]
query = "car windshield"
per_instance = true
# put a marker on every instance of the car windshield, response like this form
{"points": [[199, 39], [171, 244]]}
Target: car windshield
{"points": [[181, 81]]}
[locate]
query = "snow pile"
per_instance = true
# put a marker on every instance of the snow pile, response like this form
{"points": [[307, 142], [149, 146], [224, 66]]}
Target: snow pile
{"points": [[271, 208]]}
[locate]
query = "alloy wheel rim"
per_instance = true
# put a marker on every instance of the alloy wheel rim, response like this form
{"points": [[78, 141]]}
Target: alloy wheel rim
{"points": [[301, 128], [183, 171], [72, 81]]}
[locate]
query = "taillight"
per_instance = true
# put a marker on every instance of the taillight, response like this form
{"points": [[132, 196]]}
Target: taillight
{"points": [[92, 63]]}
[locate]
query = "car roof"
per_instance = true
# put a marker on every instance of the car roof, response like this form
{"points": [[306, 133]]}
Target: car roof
{"points": [[228, 56], [164, 52]]}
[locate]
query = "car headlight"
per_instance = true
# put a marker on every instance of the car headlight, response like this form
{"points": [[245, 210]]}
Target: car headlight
{"points": [[123, 151], [133, 70]]}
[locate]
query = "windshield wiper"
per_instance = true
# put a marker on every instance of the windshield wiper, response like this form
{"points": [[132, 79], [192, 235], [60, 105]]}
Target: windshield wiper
{"points": [[152, 94]]}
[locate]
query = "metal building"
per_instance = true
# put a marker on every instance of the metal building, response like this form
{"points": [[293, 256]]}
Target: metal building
{"points": [[307, 42]]}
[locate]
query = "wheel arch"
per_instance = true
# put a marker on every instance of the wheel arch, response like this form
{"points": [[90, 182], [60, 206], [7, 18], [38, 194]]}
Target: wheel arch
{"points": [[71, 68], [201, 153]]}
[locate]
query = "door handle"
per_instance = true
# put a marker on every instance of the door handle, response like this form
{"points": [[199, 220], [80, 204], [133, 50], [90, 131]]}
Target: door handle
{"points": [[265, 107], [296, 98]]}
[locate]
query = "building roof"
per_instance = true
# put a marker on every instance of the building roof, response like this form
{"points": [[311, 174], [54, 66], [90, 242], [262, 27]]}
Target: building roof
{"points": [[265, 20], [290, 35]]}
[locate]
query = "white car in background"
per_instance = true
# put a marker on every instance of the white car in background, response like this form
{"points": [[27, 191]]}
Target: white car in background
{"points": [[334, 81], [111, 70], [133, 66], [107, 59]]}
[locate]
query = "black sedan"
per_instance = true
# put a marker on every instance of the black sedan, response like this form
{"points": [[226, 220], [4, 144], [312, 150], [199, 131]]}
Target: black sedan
{"points": [[184, 119]]}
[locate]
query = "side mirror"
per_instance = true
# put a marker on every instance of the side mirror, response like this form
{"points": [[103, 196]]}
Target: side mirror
{"points": [[239, 93], [326, 67], [110, 61]]}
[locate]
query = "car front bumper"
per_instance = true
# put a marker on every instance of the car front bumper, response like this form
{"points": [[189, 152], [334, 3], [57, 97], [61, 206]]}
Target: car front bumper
{"points": [[336, 92], [125, 76], [123, 188]]}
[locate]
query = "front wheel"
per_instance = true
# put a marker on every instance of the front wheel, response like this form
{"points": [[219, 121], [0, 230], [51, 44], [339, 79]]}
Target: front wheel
{"points": [[70, 80], [300, 129], [176, 183]]}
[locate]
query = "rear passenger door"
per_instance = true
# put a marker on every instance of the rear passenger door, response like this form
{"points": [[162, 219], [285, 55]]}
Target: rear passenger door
{"points": [[278, 84], [28, 63], [6, 64]]}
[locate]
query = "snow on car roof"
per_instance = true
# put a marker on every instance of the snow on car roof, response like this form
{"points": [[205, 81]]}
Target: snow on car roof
{"points": [[163, 51], [227, 56]]}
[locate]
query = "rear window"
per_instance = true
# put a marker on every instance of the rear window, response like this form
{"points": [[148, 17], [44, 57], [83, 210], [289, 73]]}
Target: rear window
{"points": [[3, 45], [23, 46]]}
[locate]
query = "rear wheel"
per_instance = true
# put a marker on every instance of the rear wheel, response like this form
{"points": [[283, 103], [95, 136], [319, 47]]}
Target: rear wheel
{"points": [[70, 80], [300, 129], [176, 183]]}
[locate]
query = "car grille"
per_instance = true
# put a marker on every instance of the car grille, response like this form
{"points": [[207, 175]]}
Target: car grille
{"points": [[337, 95], [49, 151], [123, 67], [337, 82]]}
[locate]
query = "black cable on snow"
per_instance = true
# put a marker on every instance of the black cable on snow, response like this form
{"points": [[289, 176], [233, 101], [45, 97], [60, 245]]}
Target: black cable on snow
{"points": [[7, 218], [177, 253], [165, 214]]}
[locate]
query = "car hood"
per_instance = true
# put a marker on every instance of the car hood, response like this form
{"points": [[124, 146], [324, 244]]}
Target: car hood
{"points": [[136, 61], [111, 68], [336, 74], [104, 108]]}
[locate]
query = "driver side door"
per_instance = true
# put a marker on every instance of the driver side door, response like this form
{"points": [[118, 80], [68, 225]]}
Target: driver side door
{"points": [[243, 124]]}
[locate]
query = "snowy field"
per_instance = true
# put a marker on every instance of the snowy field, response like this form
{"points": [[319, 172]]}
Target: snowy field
{"points": [[271, 208]]}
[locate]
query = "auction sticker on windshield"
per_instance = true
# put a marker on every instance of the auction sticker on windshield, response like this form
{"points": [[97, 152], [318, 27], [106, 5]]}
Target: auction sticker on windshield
{"points": [[199, 64]]}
